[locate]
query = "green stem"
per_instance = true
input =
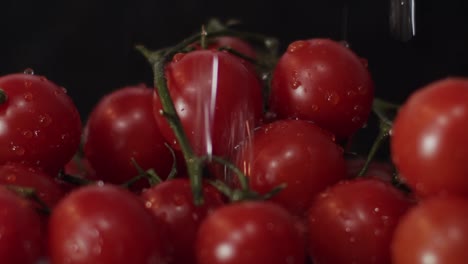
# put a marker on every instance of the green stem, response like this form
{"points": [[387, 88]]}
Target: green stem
{"points": [[30, 193], [384, 132], [78, 181], [243, 180], [203, 35], [3, 96]]}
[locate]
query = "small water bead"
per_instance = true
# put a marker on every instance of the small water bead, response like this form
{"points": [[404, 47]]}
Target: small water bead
{"points": [[11, 178], [178, 57], [333, 98], [18, 150], [297, 45], [27, 134], [28, 71], [27, 84], [45, 120], [345, 44], [362, 90], [28, 97]]}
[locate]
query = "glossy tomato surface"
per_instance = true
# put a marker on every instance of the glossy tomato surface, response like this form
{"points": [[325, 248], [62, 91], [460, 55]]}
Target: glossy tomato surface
{"points": [[296, 153], [104, 224], [250, 233], [436, 231], [325, 82], [429, 138], [172, 203], [120, 128], [39, 123], [20, 230], [217, 97], [354, 222]]}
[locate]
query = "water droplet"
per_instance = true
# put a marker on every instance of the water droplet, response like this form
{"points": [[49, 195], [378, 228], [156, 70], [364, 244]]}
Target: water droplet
{"points": [[36, 133], [148, 204], [28, 97], [295, 80], [11, 178], [64, 90], [390, 132], [161, 112], [28, 71], [345, 44], [376, 209], [27, 133], [18, 150], [178, 57], [45, 120], [100, 183], [333, 98], [314, 107], [348, 229], [27, 84], [65, 136], [297, 45], [362, 89], [357, 108]]}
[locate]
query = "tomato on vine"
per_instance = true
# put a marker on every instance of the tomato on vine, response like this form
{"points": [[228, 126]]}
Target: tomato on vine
{"points": [[217, 98], [325, 82], [120, 128], [428, 138], [354, 222], [39, 123]]}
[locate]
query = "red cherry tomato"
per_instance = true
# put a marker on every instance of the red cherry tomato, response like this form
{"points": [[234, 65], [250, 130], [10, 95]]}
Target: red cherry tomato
{"points": [[20, 230], [104, 224], [250, 232], [122, 127], [354, 221], [428, 138], [325, 82], [218, 99], [297, 153], [435, 231], [47, 189], [39, 124], [172, 203]]}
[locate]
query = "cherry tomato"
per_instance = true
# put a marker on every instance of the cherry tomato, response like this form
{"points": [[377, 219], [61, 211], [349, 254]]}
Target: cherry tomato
{"points": [[428, 138], [104, 224], [47, 189], [122, 127], [325, 82], [20, 230], [296, 153], [250, 233], [234, 43], [217, 97], [435, 231], [172, 203], [354, 221], [39, 124]]}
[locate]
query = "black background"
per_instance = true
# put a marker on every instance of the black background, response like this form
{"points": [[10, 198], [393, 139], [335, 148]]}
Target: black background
{"points": [[87, 45]]}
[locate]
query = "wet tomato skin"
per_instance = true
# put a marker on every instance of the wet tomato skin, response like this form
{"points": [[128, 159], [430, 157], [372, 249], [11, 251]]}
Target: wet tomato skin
{"points": [[120, 128], [21, 233], [172, 203], [217, 98], [435, 231], [325, 82], [354, 221], [250, 233], [427, 138], [39, 123], [296, 153], [104, 224]]}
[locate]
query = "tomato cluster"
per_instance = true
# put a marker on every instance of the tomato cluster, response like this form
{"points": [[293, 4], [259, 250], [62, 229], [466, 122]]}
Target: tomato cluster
{"points": [[236, 155]]}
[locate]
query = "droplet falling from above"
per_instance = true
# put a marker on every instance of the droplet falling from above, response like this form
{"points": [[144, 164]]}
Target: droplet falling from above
{"points": [[402, 19]]}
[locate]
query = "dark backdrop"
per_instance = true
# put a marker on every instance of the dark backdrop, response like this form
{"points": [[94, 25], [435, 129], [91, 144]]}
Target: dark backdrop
{"points": [[87, 45]]}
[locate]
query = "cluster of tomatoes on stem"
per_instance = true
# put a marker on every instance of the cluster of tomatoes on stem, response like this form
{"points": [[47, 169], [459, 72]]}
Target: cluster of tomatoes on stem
{"points": [[237, 155]]}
